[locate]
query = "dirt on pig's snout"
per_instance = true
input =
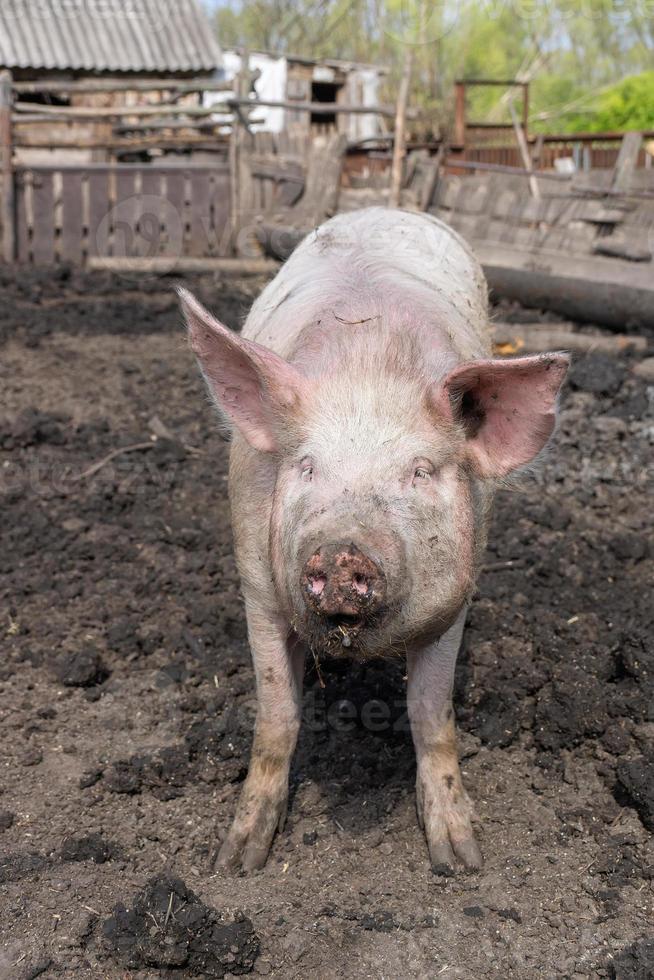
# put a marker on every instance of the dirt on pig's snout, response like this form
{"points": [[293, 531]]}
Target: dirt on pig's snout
{"points": [[127, 692]]}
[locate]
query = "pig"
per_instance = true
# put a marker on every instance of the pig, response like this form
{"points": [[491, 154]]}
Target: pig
{"points": [[371, 428]]}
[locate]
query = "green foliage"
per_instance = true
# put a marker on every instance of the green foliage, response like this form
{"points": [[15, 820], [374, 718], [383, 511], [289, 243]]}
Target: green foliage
{"points": [[572, 51], [628, 105]]}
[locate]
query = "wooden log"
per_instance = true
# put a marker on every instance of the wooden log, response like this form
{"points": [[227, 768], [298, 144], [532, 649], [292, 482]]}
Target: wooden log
{"points": [[184, 263], [399, 143], [541, 337], [7, 201], [591, 288]]}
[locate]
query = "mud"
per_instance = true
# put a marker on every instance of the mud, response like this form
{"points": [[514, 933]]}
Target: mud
{"points": [[126, 690]]}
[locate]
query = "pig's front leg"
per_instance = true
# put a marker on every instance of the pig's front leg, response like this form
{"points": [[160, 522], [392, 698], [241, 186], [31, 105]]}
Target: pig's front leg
{"points": [[261, 810], [444, 808]]}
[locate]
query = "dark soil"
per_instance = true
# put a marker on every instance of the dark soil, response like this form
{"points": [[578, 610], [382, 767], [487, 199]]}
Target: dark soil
{"points": [[127, 691]]}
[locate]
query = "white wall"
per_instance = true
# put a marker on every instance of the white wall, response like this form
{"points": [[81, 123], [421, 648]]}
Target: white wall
{"points": [[271, 84]]}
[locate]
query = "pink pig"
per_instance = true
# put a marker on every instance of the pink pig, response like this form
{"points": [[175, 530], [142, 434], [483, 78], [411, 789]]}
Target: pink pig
{"points": [[371, 429]]}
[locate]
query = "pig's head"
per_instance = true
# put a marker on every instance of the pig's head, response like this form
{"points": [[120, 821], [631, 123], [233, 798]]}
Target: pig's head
{"points": [[384, 474]]}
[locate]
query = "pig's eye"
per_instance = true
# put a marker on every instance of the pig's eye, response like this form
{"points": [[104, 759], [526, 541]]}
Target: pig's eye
{"points": [[306, 470], [422, 473]]}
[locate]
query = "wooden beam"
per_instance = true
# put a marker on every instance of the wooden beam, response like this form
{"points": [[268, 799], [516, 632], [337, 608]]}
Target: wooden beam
{"points": [[216, 142], [66, 112], [217, 167], [206, 125], [525, 109], [399, 143], [627, 160], [320, 108], [170, 264], [459, 113], [21, 122], [7, 202], [524, 152], [90, 85], [512, 83], [502, 168]]}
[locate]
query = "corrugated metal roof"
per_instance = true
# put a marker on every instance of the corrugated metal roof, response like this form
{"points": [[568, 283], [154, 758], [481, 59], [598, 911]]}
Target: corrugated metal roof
{"points": [[107, 35]]}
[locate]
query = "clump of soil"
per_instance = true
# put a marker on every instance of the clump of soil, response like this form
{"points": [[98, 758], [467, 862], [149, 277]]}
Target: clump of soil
{"points": [[91, 847], [636, 962], [168, 927], [84, 668], [636, 786]]}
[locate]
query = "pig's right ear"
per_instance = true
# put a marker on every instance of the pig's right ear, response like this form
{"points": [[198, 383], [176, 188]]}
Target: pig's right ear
{"points": [[505, 407], [255, 388]]}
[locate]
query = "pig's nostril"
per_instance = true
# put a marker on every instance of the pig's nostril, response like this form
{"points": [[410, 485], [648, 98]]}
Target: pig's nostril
{"points": [[360, 583], [317, 584]]}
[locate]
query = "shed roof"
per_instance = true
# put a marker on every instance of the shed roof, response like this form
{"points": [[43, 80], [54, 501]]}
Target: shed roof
{"points": [[107, 35]]}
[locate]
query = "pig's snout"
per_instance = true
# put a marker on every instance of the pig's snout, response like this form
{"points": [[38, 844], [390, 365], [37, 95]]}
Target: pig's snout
{"points": [[343, 584]]}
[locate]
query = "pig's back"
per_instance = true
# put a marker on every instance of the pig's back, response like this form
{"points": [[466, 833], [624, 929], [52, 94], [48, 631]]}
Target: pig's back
{"points": [[373, 263]]}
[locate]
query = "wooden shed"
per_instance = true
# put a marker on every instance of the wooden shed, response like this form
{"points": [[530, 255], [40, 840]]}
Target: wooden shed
{"points": [[285, 77], [138, 45]]}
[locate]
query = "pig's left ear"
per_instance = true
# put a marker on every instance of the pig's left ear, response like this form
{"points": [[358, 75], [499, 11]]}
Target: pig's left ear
{"points": [[255, 388], [507, 408]]}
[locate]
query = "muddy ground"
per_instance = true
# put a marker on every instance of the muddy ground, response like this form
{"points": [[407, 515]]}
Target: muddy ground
{"points": [[126, 691]]}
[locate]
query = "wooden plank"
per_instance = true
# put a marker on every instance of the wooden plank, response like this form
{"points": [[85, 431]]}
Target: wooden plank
{"points": [[399, 143], [175, 230], [153, 204], [200, 206], [123, 215], [627, 160], [220, 214], [23, 216], [43, 234], [7, 196], [635, 248], [70, 245], [99, 205], [88, 85]]}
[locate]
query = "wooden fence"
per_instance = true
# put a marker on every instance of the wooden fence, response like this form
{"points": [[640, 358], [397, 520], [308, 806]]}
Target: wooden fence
{"points": [[66, 214], [589, 151]]}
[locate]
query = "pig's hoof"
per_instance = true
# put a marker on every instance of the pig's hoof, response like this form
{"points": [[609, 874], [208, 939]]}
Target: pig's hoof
{"points": [[443, 854], [446, 820], [248, 842]]}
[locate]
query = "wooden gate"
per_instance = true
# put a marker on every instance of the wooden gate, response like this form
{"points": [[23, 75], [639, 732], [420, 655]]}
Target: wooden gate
{"points": [[68, 213]]}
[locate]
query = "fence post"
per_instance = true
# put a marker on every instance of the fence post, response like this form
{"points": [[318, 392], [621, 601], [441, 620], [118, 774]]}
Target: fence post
{"points": [[460, 113], [7, 209], [399, 134]]}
